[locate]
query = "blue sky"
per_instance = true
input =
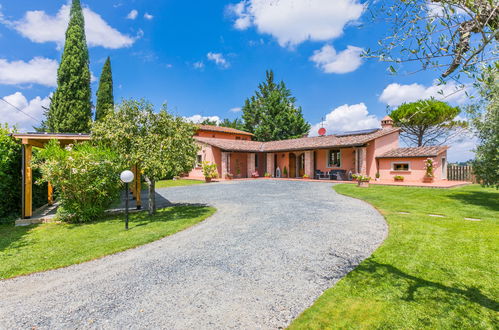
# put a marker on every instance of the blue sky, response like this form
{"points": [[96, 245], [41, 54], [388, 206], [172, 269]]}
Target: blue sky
{"points": [[204, 59]]}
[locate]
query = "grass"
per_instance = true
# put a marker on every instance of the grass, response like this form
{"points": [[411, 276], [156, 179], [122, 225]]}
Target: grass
{"points": [[174, 183], [437, 273], [35, 248]]}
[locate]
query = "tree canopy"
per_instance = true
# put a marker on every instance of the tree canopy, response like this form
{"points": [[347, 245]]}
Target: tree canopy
{"points": [[105, 98], [450, 36], [161, 144], [486, 125], [71, 107], [427, 122], [271, 114]]}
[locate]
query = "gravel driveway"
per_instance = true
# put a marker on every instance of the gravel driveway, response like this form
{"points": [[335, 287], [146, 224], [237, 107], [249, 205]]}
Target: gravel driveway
{"points": [[271, 249]]}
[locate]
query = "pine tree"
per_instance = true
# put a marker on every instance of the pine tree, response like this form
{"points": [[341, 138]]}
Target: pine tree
{"points": [[271, 114], [105, 98], [71, 108]]}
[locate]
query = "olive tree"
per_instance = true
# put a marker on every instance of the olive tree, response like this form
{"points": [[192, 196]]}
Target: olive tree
{"points": [[160, 144]]}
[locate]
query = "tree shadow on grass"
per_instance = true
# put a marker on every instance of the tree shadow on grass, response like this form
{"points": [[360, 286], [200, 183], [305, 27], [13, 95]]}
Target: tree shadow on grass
{"points": [[486, 199], [381, 272], [13, 237]]}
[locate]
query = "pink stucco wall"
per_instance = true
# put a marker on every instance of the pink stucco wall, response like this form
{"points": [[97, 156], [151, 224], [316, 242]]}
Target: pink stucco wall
{"points": [[416, 168], [210, 154], [222, 135], [378, 147], [347, 156]]}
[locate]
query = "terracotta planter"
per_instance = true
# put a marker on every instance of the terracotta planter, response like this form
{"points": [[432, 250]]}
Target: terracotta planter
{"points": [[363, 184], [208, 180], [399, 180], [428, 179]]}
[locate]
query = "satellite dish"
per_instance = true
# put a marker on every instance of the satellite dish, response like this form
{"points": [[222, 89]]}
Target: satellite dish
{"points": [[322, 131]]}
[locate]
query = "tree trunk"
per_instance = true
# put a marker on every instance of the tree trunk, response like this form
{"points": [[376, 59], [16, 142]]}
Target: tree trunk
{"points": [[152, 196]]}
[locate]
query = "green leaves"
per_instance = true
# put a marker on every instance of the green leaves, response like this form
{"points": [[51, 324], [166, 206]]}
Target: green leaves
{"points": [[272, 114], [105, 98]]}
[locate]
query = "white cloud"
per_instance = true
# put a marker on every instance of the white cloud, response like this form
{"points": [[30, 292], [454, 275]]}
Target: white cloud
{"points": [[198, 65], [292, 22], [329, 61], [347, 118], [31, 115], [396, 94], [38, 70], [462, 149], [196, 119], [40, 27], [148, 16], [219, 59], [132, 14], [438, 10], [235, 109]]}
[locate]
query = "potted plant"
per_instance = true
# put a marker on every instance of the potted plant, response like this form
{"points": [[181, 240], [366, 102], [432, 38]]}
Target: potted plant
{"points": [[285, 172], [209, 171], [306, 176], [267, 175], [255, 175], [398, 178], [377, 176], [362, 181], [229, 176], [429, 165]]}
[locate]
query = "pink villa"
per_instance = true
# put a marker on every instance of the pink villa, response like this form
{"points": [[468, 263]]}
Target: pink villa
{"points": [[329, 157]]}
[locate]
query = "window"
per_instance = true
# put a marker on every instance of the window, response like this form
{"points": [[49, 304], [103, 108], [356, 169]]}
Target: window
{"points": [[334, 158], [256, 160], [400, 166], [199, 160]]}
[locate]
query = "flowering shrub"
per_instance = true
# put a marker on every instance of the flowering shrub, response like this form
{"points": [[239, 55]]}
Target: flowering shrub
{"points": [[209, 170], [429, 165], [85, 177]]}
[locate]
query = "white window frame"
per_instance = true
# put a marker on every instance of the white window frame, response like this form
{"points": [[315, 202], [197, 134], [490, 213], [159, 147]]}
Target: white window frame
{"points": [[328, 158], [199, 164], [400, 163]]}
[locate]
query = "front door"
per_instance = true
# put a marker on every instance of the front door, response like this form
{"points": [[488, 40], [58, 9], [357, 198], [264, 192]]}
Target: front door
{"points": [[292, 165]]}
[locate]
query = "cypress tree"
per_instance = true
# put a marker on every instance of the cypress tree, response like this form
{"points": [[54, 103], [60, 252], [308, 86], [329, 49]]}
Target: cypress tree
{"points": [[105, 98], [71, 107]]}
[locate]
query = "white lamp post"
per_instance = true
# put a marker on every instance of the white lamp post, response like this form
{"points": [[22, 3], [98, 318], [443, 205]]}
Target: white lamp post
{"points": [[126, 177]]}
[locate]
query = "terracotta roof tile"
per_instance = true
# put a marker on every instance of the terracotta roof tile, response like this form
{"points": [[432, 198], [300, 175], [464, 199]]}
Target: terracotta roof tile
{"points": [[212, 128], [307, 143], [432, 151]]}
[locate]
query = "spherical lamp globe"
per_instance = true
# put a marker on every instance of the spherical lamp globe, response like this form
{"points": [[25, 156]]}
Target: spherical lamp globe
{"points": [[126, 176]]}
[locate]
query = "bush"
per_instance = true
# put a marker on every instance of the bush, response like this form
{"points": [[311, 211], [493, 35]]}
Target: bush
{"points": [[209, 170], [11, 178], [86, 179]]}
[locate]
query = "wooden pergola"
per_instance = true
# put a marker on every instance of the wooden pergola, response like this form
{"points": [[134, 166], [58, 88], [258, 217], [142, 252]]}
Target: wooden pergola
{"points": [[39, 140]]}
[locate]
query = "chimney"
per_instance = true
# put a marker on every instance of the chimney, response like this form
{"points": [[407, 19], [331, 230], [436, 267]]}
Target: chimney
{"points": [[386, 122]]}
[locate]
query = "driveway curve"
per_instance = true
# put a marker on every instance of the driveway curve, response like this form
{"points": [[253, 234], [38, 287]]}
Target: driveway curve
{"points": [[271, 249]]}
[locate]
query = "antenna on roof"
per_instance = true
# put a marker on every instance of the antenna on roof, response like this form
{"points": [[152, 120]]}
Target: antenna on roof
{"points": [[322, 130]]}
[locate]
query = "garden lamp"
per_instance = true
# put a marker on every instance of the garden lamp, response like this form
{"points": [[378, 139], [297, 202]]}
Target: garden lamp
{"points": [[126, 177]]}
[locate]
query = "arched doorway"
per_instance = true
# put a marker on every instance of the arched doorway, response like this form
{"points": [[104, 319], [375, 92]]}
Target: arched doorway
{"points": [[301, 165], [292, 165]]}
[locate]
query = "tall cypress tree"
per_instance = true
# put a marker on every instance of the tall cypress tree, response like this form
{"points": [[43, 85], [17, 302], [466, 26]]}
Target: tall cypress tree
{"points": [[271, 114], [71, 107], [105, 98]]}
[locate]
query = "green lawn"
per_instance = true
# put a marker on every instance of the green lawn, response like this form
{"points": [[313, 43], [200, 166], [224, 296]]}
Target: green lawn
{"points": [[36, 248], [175, 183], [434, 273]]}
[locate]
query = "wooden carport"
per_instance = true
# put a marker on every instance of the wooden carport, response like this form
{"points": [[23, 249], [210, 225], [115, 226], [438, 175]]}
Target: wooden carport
{"points": [[30, 140]]}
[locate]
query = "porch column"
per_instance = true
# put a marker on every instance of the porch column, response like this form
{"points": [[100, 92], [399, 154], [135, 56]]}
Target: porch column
{"points": [[251, 164], [361, 161], [225, 164], [270, 164], [27, 193], [309, 164]]}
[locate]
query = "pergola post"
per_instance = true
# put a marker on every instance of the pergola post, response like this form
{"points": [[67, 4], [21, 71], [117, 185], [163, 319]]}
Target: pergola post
{"points": [[27, 188], [138, 188], [50, 193]]}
